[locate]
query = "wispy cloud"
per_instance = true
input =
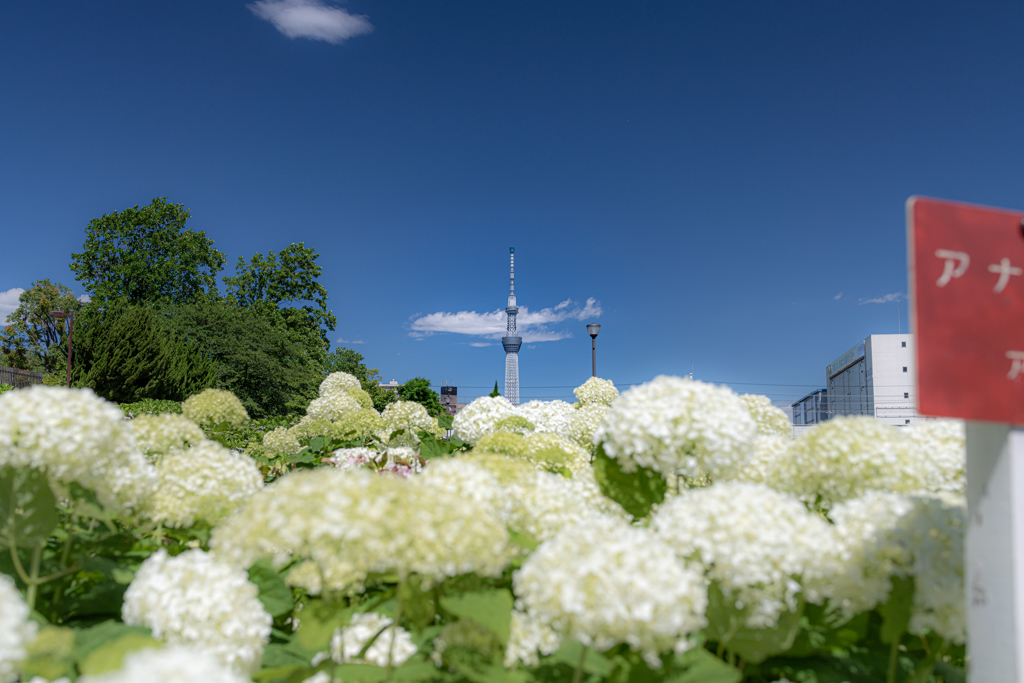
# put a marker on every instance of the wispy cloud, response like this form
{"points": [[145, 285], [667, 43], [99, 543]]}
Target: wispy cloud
{"points": [[84, 298], [350, 341], [838, 296], [884, 299], [533, 326], [9, 302], [480, 344], [311, 19]]}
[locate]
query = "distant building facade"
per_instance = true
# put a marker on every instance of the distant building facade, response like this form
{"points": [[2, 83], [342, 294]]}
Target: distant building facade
{"points": [[390, 386], [876, 377], [811, 409], [450, 399]]}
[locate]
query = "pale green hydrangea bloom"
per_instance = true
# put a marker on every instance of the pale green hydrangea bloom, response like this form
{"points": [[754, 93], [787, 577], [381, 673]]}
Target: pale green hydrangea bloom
{"points": [[767, 461], [281, 441], [516, 424], [214, 406], [941, 447], [310, 428], [158, 434], [603, 582], [203, 483], [75, 436], [351, 523], [478, 419], [192, 599], [678, 426], [553, 417], [596, 390], [174, 664], [393, 645], [332, 406], [17, 631], [364, 400], [769, 419], [339, 383], [761, 546], [360, 424], [544, 450], [410, 416], [588, 417]]}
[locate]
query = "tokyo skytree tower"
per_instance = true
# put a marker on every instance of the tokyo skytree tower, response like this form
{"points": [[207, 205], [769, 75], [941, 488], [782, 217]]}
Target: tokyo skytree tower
{"points": [[512, 341]]}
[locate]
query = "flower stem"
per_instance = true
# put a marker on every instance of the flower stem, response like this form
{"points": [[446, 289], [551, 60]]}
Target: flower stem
{"points": [[33, 586], [578, 674], [890, 676]]}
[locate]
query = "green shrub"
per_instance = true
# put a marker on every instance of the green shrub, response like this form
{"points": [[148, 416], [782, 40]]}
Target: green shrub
{"points": [[150, 406]]}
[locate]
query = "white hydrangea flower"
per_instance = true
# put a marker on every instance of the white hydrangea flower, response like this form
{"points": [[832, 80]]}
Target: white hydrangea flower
{"points": [[678, 426], [767, 461], [331, 406], [346, 459], [848, 456], [75, 436], [884, 534], [214, 406], [758, 544], [281, 441], [194, 600], [588, 417], [543, 450], [770, 420], [942, 450], [158, 434], [175, 664], [528, 639], [353, 523], [468, 480], [393, 643], [553, 417], [596, 390], [340, 383], [359, 425], [476, 420], [410, 416], [17, 632], [205, 482], [604, 582], [545, 503]]}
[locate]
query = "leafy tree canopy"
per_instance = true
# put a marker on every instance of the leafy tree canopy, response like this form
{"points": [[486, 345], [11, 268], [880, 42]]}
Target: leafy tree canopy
{"points": [[33, 339], [418, 390], [494, 392], [145, 255], [347, 360], [127, 355], [256, 356]]}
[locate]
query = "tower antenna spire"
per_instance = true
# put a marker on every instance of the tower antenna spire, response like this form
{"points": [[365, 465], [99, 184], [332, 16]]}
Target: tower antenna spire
{"points": [[512, 341]]}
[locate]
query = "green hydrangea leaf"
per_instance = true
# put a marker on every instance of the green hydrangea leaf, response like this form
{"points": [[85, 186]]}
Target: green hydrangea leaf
{"points": [[490, 609], [28, 510], [635, 491], [274, 593]]}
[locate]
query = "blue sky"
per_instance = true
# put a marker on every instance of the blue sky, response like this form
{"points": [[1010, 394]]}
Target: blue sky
{"points": [[724, 180]]}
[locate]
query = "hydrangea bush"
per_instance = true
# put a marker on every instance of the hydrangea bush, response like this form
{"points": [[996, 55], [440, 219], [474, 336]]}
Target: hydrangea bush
{"points": [[673, 533]]}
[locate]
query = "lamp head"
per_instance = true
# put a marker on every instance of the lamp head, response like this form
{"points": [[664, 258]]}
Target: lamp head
{"points": [[58, 314], [593, 329]]}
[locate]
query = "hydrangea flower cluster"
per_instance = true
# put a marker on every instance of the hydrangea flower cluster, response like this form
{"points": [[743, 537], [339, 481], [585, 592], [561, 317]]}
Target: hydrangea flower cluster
{"points": [[848, 456], [194, 600], [596, 390], [410, 416], [75, 436], [175, 664], [678, 426], [359, 425], [514, 424], [766, 461], [543, 504], [351, 523], [553, 417], [770, 420], [479, 418], [214, 406], [604, 582], [158, 434], [332, 406], [16, 630], [544, 450], [205, 482], [942, 451], [339, 383], [759, 545], [393, 642], [588, 417], [281, 440]]}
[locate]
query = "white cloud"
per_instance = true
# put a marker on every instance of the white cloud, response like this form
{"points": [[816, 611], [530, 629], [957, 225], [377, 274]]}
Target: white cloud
{"points": [[480, 344], [84, 298], [884, 299], [9, 302], [838, 296], [533, 326], [311, 19], [350, 341]]}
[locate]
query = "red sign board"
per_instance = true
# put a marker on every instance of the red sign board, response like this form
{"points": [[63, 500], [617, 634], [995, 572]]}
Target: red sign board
{"points": [[966, 268]]}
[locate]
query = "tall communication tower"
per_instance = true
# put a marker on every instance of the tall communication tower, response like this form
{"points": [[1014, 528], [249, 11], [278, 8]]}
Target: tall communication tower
{"points": [[511, 341]]}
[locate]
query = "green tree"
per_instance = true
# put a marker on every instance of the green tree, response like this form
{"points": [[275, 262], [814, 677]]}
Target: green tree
{"points": [[127, 355], [418, 389], [255, 355], [347, 360], [494, 392], [145, 255], [32, 338]]}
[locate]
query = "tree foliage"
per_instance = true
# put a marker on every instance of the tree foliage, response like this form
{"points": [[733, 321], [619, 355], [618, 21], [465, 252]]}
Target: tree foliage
{"points": [[145, 255], [127, 355], [418, 389], [347, 360], [33, 339], [256, 356], [494, 392]]}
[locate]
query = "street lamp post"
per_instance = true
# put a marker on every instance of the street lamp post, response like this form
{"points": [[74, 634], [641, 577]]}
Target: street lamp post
{"points": [[70, 315], [592, 330]]}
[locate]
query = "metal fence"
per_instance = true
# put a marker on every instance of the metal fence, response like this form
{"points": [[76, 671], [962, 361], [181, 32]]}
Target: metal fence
{"points": [[19, 378]]}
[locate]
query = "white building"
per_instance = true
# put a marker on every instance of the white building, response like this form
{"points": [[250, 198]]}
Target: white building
{"points": [[876, 377]]}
